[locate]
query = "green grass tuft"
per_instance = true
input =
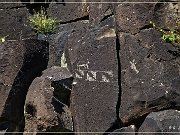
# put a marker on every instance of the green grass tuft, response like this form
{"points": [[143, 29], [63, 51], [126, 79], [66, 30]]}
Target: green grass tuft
{"points": [[170, 36], [42, 23]]}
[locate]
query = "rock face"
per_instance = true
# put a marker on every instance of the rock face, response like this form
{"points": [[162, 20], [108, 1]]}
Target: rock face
{"points": [[131, 17], [10, 64], [44, 109], [19, 72], [163, 121], [95, 80], [124, 131], [93, 69], [149, 66], [92, 58], [104, 69], [68, 12], [14, 23], [147, 73], [59, 40], [167, 14]]}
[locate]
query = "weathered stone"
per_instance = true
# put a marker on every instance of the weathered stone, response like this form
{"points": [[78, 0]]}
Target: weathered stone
{"points": [[44, 111], [61, 82], [163, 121], [29, 64], [56, 73], [132, 17], [148, 69], [85, 42], [98, 12], [11, 60], [92, 58], [124, 131], [14, 24], [58, 40], [11, 4], [67, 12], [167, 15], [40, 114]]}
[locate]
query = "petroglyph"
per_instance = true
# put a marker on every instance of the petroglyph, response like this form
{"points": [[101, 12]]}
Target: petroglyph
{"points": [[83, 72], [133, 66], [97, 76]]}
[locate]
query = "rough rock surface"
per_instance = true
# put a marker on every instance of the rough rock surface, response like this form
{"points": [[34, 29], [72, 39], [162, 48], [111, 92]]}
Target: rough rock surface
{"points": [[130, 18], [7, 4], [68, 12], [149, 66], [124, 131], [92, 58], [147, 73], [98, 12], [10, 63], [163, 121], [44, 111], [139, 55], [167, 14], [19, 73], [124, 73], [14, 22], [59, 40]]}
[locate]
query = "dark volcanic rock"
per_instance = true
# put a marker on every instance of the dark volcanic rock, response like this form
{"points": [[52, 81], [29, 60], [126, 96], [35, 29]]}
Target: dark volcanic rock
{"points": [[11, 4], [67, 12], [131, 17], [122, 68], [124, 131], [166, 15], [163, 121], [150, 126], [59, 40], [14, 24], [39, 112], [28, 63], [148, 69], [98, 12], [11, 60], [61, 82], [92, 58], [44, 109], [56, 73], [149, 66]]}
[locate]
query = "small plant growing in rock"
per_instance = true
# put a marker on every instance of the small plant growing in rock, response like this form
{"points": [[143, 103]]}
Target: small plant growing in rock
{"points": [[170, 36], [42, 23]]}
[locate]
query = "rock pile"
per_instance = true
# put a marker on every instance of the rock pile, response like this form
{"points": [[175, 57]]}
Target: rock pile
{"points": [[104, 69]]}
